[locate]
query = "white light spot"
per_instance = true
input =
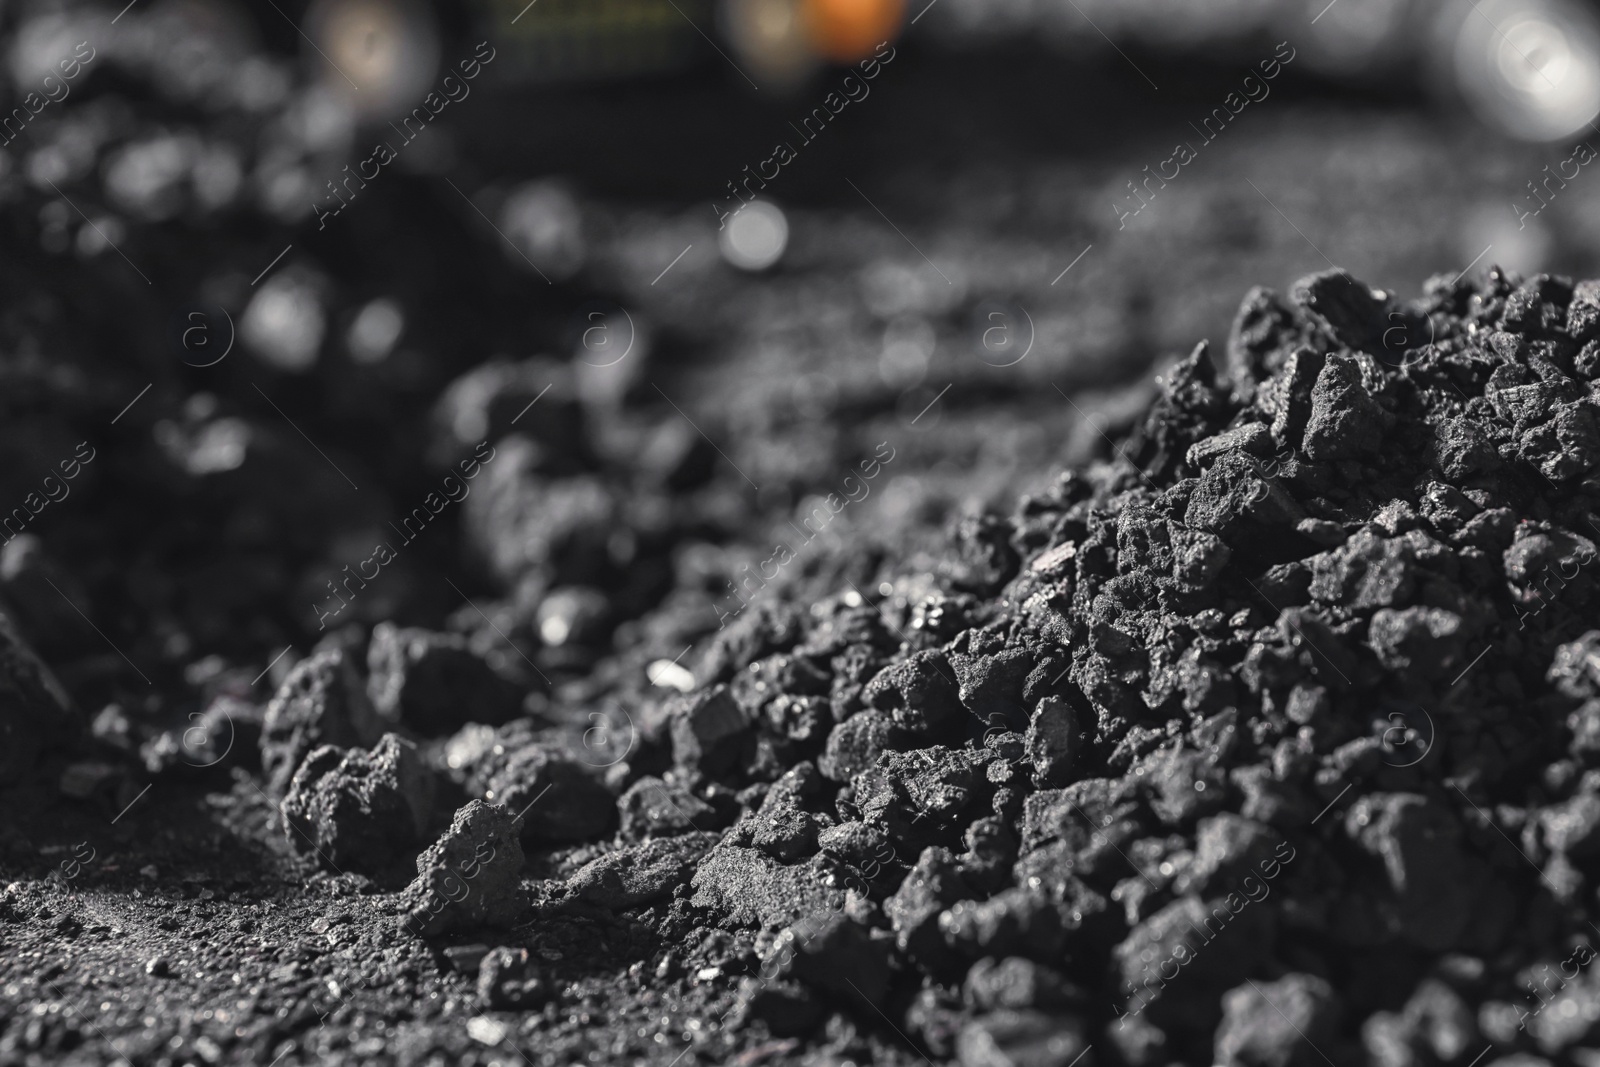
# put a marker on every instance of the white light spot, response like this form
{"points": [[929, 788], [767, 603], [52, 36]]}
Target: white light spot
{"points": [[485, 1030], [755, 236], [283, 323], [669, 675], [554, 630], [375, 331]]}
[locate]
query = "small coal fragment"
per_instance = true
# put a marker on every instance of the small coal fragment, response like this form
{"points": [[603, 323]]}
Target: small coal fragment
{"points": [[1348, 310], [709, 731], [1277, 1024], [1055, 740], [1017, 984], [638, 874], [748, 888], [357, 810], [433, 682], [984, 559], [653, 808], [933, 885], [1182, 936], [855, 744], [1346, 421], [1427, 641], [35, 712], [470, 877], [510, 980], [784, 1007], [918, 693], [323, 701], [1230, 849], [1573, 827], [1017, 1038], [226, 734], [832, 953], [782, 827], [559, 799], [1438, 889]]}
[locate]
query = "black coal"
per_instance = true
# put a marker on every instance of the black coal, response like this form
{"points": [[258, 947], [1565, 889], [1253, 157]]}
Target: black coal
{"points": [[1272, 738]]}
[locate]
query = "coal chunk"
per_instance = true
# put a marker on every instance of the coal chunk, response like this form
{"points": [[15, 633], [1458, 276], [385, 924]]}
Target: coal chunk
{"points": [[1018, 984], [709, 730], [471, 876], [1346, 422], [1462, 447], [1428, 641], [1253, 437], [638, 874], [1277, 1024], [1190, 944], [912, 795], [865, 847], [918, 693], [226, 734], [652, 807], [933, 885], [1055, 741], [1369, 570], [1572, 827], [984, 559], [1230, 849], [1022, 1039], [1439, 890], [782, 827], [785, 1008], [1233, 491], [1348, 310], [1435, 1021], [323, 701], [749, 888], [835, 954], [357, 810], [433, 682], [558, 797], [1020, 921], [855, 744], [510, 980]]}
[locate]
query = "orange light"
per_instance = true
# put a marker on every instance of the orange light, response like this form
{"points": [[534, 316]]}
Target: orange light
{"points": [[847, 30]]}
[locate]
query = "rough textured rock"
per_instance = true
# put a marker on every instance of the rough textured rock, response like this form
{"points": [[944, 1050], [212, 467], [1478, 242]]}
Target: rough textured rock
{"points": [[471, 876], [323, 701], [1277, 1024], [35, 712], [357, 810], [638, 874], [432, 683], [509, 980], [558, 798]]}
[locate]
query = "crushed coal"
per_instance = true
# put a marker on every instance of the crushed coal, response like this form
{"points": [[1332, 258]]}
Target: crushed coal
{"points": [[1251, 718], [1271, 736]]}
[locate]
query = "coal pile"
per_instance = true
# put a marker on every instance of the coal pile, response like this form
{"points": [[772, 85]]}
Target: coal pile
{"points": [[391, 675], [1271, 737], [1266, 740]]}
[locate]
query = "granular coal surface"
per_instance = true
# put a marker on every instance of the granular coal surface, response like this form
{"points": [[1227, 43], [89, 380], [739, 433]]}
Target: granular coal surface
{"points": [[1271, 737]]}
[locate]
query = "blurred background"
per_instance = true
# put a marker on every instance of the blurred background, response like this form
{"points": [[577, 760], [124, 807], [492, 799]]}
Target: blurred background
{"points": [[684, 262]]}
